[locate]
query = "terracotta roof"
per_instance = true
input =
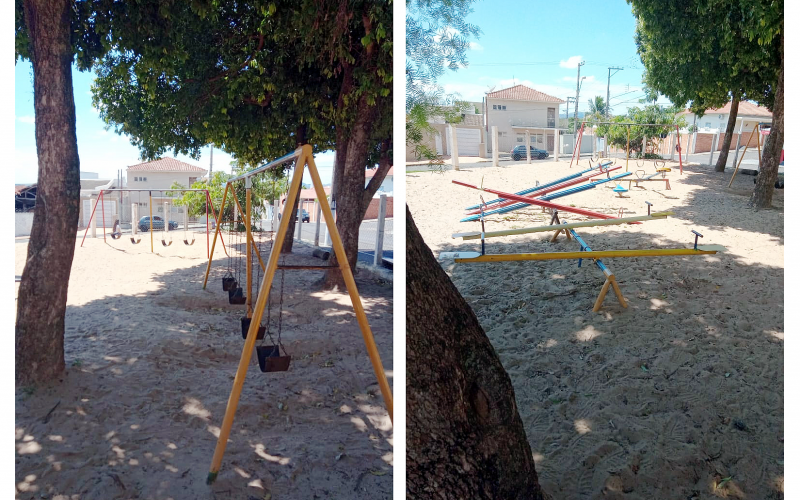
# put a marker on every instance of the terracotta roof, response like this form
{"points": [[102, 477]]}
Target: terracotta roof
{"points": [[745, 109], [523, 93], [165, 165], [371, 172]]}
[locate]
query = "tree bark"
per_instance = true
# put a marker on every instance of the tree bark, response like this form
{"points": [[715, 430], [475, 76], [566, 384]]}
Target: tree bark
{"points": [[288, 243], [42, 299], [771, 157], [726, 142], [348, 184], [464, 436]]}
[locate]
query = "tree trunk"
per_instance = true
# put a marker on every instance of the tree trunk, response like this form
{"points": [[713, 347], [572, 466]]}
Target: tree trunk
{"points": [[464, 435], [348, 183], [42, 299], [726, 142], [771, 157], [291, 212]]}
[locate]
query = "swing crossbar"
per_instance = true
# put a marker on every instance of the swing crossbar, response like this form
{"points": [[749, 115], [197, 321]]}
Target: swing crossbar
{"points": [[268, 166]]}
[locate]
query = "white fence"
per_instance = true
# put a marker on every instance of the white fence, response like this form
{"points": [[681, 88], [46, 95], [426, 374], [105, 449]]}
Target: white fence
{"points": [[23, 221]]}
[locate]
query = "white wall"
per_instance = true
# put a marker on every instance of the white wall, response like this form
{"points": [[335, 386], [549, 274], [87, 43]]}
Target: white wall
{"points": [[520, 113], [160, 180], [23, 221]]}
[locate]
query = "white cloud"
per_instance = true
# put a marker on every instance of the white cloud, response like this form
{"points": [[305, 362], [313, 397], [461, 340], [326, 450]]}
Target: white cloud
{"points": [[27, 119], [572, 62], [475, 46]]}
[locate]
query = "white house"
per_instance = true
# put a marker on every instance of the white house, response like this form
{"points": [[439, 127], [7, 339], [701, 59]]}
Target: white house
{"points": [[386, 187], [159, 175], [715, 121], [518, 109]]}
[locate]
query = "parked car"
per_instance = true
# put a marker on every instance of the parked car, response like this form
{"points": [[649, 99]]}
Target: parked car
{"points": [[306, 217], [158, 224], [518, 153]]}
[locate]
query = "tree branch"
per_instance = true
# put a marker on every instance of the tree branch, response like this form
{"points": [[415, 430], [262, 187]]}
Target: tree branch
{"points": [[384, 164]]}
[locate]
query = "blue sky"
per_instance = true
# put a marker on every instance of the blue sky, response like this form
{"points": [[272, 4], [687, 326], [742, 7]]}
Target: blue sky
{"points": [[101, 151], [539, 44]]}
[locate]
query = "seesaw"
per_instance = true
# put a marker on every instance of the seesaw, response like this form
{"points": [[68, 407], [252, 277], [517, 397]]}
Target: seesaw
{"points": [[541, 203], [504, 206], [476, 257], [474, 235], [601, 166]]}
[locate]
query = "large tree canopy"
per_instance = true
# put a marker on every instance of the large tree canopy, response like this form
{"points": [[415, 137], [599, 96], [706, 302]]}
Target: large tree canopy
{"points": [[709, 53], [698, 52], [257, 79]]}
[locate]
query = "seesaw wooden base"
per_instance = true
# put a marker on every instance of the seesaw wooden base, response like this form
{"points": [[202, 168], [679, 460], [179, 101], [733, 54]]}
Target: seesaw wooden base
{"points": [[611, 282]]}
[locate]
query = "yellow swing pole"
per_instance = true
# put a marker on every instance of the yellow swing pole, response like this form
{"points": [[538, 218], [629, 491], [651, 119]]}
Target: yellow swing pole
{"points": [[150, 204], [250, 240], [742, 157], [216, 233], [255, 322], [350, 282]]}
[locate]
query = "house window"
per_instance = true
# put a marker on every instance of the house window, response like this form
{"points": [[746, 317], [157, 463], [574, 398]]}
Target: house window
{"points": [[708, 124], [494, 106], [520, 138], [504, 108], [192, 180]]}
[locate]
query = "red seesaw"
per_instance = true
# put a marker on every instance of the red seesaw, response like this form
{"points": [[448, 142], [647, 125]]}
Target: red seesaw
{"points": [[541, 203]]}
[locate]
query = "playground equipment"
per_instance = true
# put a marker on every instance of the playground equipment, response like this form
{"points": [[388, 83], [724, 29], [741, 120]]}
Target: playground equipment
{"points": [[619, 190], [758, 144], [166, 239], [541, 203], [641, 177], [585, 251], [302, 158], [628, 142], [511, 205]]}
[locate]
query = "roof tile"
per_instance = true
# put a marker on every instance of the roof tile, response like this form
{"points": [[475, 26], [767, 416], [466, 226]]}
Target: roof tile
{"points": [[165, 165], [523, 93]]}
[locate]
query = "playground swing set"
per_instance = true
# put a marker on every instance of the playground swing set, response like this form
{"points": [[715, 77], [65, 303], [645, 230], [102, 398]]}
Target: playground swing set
{"points": [[273, 357], [164, 232]]}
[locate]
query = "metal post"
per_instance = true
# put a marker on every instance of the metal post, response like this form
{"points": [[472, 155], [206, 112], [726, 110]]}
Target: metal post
{"points": [[166, 217], [738, 140], [578, 94], [713, 146], [94, 219], [135, 218], [380, 230], [317, 221], [276, 208], [299, 235]]}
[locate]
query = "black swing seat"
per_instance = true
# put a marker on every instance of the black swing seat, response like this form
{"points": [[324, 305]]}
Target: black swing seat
{"points": [[246, 327], [166, 243], [270, 359], [236, 296], [228, 283], [185, 242], [135, 241]]}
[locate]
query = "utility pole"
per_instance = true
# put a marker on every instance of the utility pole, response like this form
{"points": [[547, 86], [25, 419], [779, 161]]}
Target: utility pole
{"points": [[210, 165], [566, 110], [578, 94], [608, 91]]}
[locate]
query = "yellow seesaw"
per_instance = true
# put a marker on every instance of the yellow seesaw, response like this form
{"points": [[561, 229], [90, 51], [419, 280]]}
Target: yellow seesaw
{"points": [[470, 257]]}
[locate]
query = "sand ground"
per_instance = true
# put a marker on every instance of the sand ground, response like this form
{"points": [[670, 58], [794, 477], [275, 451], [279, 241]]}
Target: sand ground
{"points": [[151, 358], [678, 396]]}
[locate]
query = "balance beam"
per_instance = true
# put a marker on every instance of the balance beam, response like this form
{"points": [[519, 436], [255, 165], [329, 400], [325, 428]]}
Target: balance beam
{"points": [[474, 235], [476, 257], [541, 203]]}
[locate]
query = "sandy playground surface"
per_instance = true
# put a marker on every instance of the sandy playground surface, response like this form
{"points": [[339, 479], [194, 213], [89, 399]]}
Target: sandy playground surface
{"points": [[151, 358], [679, 396]]}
